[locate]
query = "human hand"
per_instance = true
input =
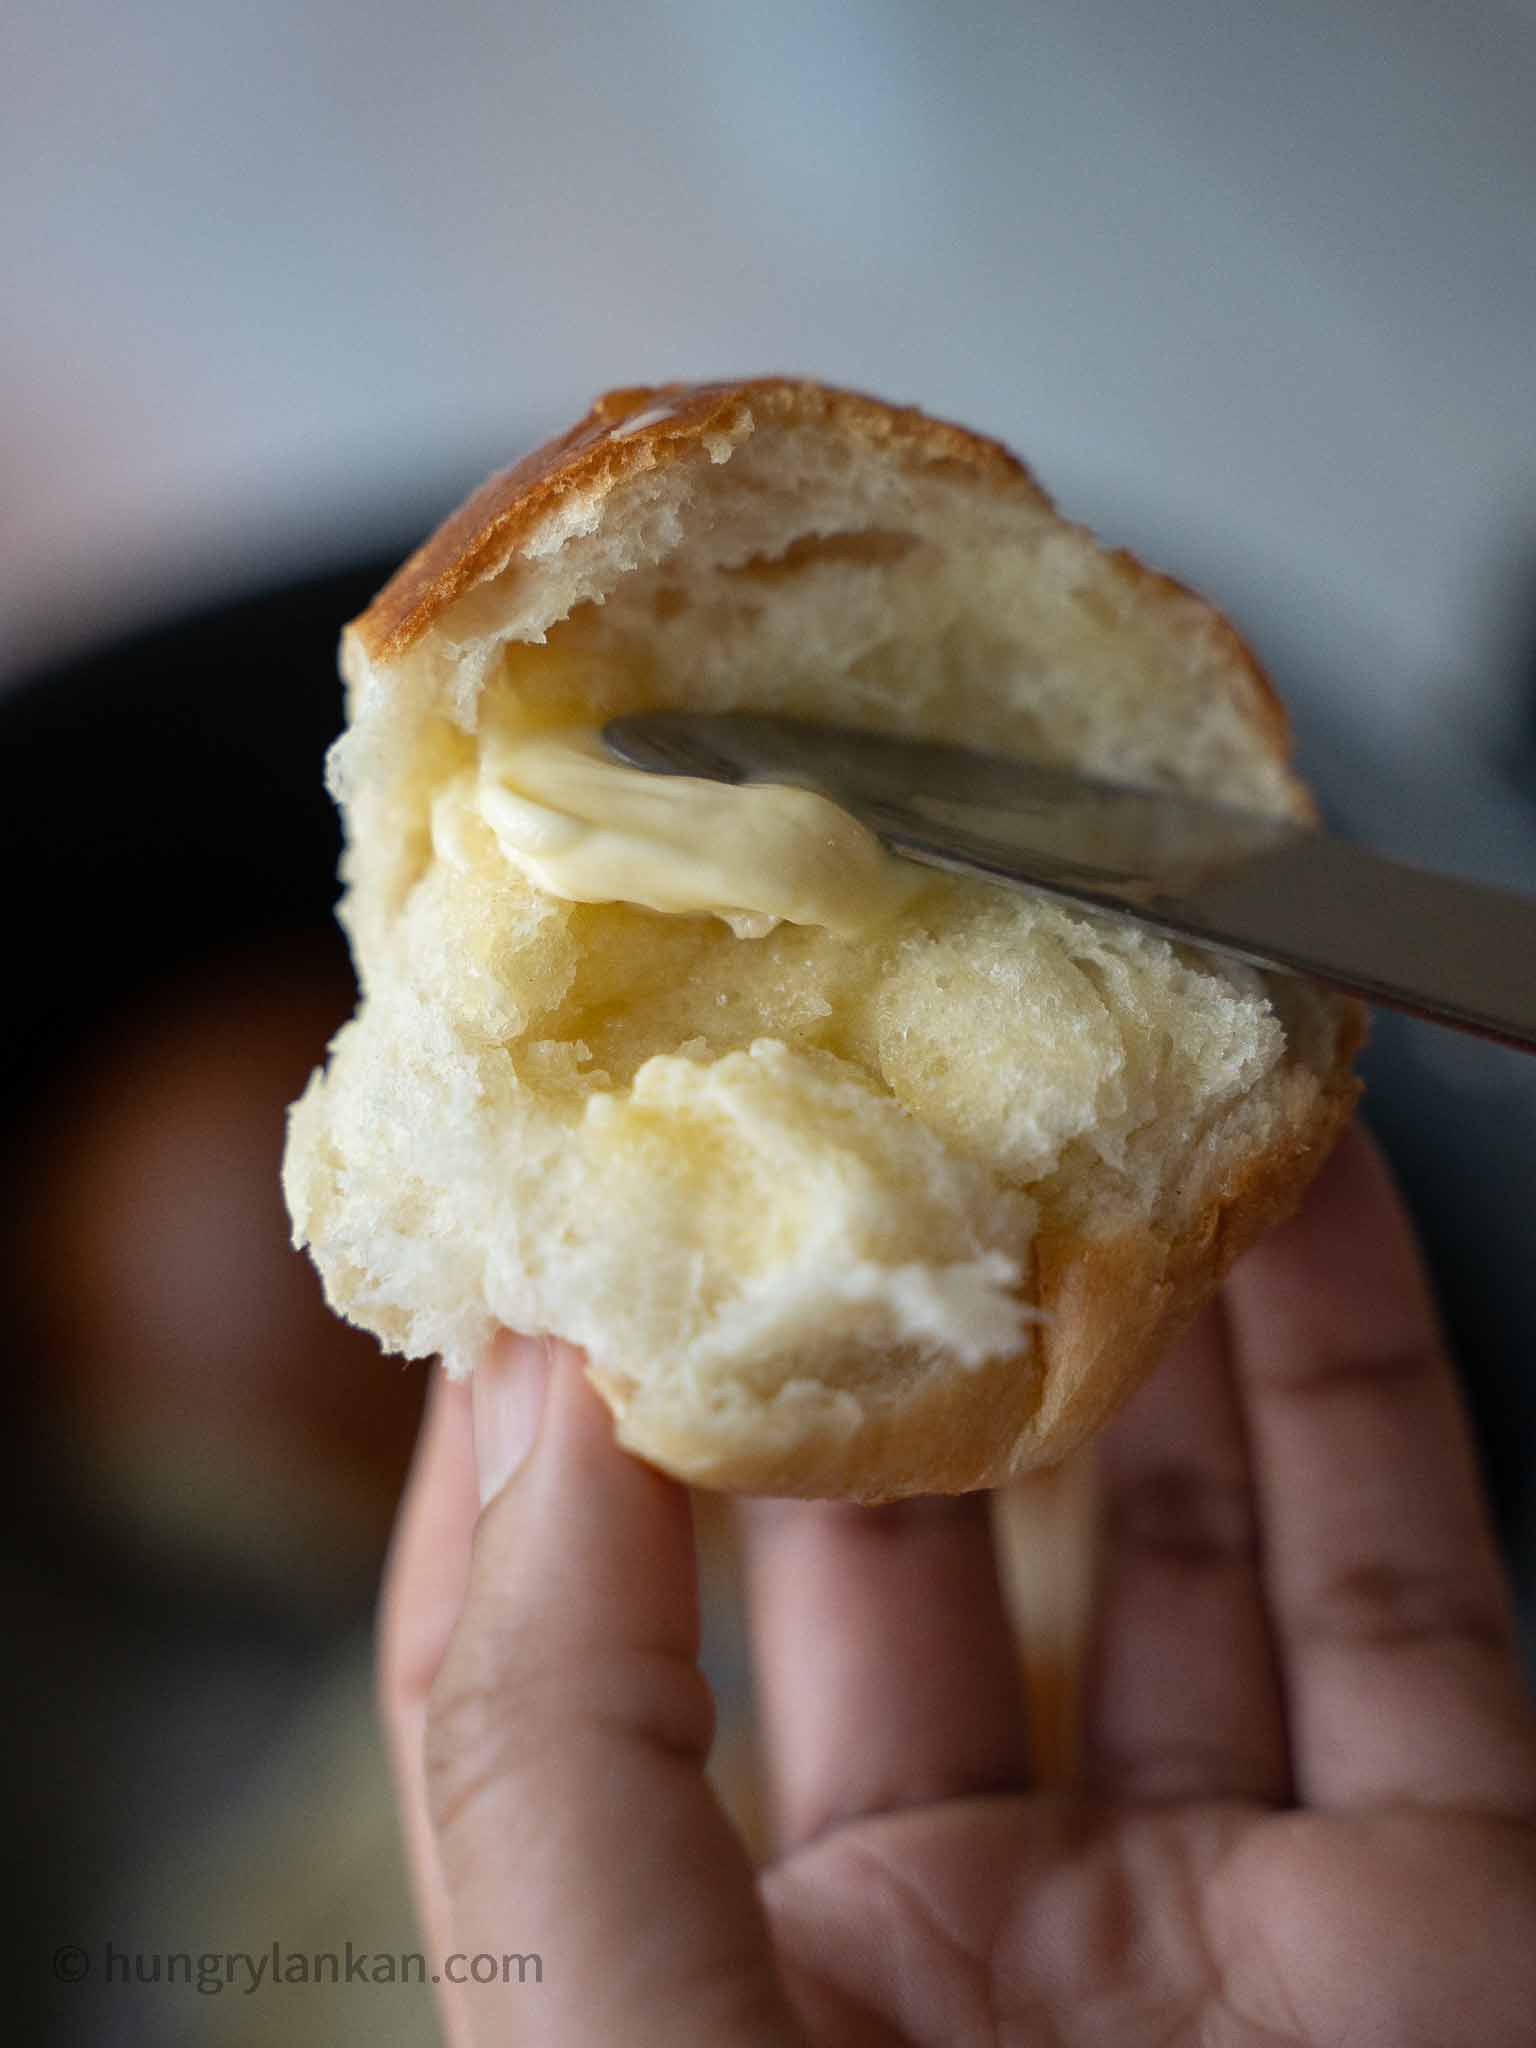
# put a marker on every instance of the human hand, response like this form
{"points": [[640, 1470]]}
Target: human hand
{"points": [[1308, 1808]]}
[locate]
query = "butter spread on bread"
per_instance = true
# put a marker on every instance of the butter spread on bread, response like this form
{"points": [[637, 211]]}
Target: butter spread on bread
{"points": [[845, 1185]]}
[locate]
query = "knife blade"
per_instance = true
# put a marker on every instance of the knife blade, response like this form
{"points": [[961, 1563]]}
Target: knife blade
{"points": [[1276, 894]]}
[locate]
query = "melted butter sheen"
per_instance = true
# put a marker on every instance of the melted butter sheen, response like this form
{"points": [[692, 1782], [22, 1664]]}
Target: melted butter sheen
{"points": [[591, 830]]}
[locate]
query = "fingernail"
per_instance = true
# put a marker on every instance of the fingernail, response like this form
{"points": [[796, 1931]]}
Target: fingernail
{"points": [[508, 1398]]}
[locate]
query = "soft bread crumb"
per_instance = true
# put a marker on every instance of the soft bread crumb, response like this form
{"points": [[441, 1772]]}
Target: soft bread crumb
{"points": [[787, 1191]]}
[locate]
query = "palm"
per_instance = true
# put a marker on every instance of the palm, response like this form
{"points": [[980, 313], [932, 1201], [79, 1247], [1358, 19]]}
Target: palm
{"points": [[1303, 1811], [1060, 1922]]}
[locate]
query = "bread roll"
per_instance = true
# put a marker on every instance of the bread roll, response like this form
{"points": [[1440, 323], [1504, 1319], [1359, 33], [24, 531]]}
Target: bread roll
{"points": [[905, 1201]]}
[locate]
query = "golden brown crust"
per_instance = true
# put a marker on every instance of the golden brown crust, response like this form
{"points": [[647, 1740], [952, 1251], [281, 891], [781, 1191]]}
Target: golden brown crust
{"points": [[1118, 1304], [594, 455], [1264, 699], [940, 1442]]}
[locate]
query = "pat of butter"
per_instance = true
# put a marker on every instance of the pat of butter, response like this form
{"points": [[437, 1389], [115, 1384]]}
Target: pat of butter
{"points": [[591, 830]]}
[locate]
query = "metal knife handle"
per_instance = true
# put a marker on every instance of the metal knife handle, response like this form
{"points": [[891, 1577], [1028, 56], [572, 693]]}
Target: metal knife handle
{"points": [[1269, 892]]}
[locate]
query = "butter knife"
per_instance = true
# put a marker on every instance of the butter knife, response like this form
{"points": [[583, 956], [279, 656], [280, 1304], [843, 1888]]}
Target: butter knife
{"points": [[1268, 891]]}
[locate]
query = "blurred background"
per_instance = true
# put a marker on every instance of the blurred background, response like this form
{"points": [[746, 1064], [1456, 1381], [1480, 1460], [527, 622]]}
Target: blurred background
{"points": [[1251, 282]]}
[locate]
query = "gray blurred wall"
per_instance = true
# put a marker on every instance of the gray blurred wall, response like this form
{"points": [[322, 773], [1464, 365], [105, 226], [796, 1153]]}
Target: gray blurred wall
{"points": [[1253, 282]]}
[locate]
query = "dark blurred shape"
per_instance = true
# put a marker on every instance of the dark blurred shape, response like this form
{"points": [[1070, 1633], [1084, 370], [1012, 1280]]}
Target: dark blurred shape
{"points": [[163, 801], [180, 972], [1521, 762], [192, 1382], [201, 1461]]}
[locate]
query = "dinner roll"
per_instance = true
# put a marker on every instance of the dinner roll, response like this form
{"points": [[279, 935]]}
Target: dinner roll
{"points": [[850, 1178]]}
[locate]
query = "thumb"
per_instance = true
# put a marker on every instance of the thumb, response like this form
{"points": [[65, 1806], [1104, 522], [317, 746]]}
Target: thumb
{"points": [[566, 1738]]}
